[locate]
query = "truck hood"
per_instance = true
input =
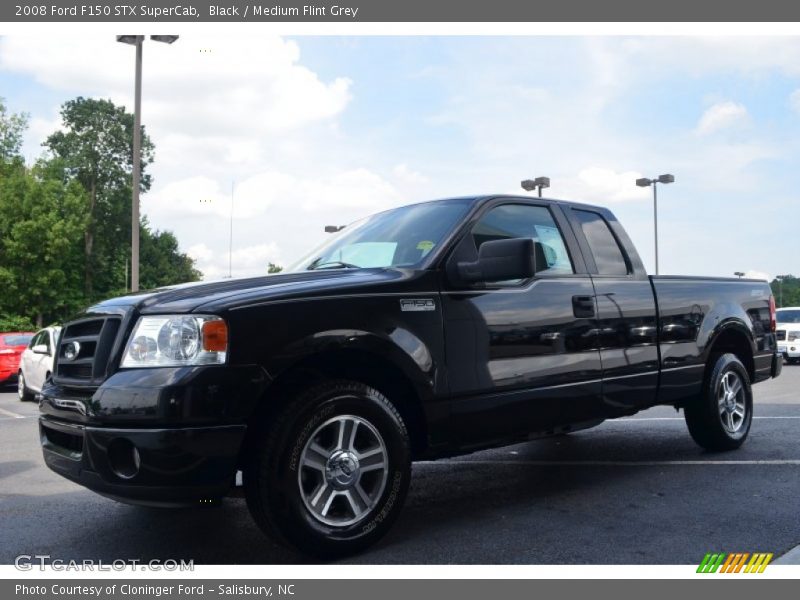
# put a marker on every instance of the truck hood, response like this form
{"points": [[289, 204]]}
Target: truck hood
{"points": [[225, 294]]}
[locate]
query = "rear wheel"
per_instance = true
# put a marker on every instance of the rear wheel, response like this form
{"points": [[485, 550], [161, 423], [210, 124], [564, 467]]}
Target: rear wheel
{"points": [[23, 393], [330, 474], [719, 419]]}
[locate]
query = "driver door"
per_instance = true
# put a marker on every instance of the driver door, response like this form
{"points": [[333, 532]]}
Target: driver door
{"points": [[522, 355]]}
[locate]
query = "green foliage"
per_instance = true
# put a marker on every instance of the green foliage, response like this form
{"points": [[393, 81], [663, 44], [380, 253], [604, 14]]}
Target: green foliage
{"points": [[39, 256], [161, 262], [15, 323], [273, 268], [12, 128], [788, 293], [96, 149], [65, 222]]}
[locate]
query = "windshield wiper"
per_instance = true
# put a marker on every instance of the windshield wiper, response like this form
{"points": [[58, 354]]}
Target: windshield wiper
{"points": [[331, 264]]}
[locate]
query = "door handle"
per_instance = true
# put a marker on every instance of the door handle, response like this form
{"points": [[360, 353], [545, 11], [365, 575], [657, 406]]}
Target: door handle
{"points": [[583, 306]]}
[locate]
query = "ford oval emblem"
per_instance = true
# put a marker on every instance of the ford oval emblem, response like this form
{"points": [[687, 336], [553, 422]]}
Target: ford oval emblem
{"points": [[71, 350]]}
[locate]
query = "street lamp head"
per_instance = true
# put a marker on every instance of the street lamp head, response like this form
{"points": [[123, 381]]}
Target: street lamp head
{"points": [[666, 178], [167, 39], [333, 228], [644, 182], [739, 274], [130, 39], [531, 184]]}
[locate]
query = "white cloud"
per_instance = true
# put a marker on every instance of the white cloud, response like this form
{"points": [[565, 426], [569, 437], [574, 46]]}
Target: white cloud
{"points": [[794, 100], [721, 116], [257, 83], [751, 274], [408, 175], [277, 216], [602, 185]]}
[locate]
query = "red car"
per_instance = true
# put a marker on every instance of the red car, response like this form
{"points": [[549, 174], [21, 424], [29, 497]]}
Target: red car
{"points": [[11, 348]]}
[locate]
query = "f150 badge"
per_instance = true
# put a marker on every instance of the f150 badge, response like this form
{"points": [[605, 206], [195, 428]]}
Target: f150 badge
{"points": [[417, 304]]}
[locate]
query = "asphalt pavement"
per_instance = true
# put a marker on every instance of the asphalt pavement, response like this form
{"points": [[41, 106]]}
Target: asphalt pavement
{"points": [[631, 491]]}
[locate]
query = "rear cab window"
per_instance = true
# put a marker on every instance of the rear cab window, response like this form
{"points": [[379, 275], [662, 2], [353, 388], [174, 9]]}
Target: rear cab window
{"points": [[608, 255]]}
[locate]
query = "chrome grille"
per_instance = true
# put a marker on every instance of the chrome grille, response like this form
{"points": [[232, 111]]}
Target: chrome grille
{"points": [[84, 351]]}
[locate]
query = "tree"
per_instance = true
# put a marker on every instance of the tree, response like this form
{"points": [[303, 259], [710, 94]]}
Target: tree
{"points": [[15, 323], [161, 261], [39, 246], [96, 149], [786, 293], [12, 128], [273, 268]]}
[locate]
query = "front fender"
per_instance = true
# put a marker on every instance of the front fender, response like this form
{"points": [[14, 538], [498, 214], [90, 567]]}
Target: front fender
{"points": [[400, 347]]}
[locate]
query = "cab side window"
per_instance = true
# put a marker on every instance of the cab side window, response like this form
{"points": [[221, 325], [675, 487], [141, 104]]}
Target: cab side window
{"points": [[608, 256], [525, 221]]}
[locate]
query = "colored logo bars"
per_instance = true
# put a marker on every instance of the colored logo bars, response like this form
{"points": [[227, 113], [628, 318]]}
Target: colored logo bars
{"points": [[735, 563]]}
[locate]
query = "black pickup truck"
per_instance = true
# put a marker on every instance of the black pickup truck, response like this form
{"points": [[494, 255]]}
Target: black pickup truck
{"points": [[422, 332]]}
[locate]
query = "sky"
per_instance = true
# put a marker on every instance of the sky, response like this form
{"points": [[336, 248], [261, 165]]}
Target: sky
{"points": [[304, 132]]}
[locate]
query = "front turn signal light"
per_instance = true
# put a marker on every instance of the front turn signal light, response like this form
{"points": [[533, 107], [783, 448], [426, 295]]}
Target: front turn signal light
{"points": [[215, 336]]}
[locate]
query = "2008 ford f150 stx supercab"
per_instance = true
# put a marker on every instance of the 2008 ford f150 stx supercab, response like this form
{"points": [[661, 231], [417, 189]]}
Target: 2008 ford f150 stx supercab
{"points": [[425, 331]]}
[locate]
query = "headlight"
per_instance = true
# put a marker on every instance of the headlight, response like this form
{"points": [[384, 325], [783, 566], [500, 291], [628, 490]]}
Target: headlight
{"points": [[177, 340], [794, 335]]}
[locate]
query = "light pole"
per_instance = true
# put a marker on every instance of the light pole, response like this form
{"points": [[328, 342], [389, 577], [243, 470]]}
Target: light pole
{"points": [[532, 184], [137, 40], [780, 279], [739, 274], [645, 182]]}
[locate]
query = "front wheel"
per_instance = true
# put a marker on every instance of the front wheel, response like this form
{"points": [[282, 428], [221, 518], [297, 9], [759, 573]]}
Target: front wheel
{"points": [[23, 393], [719, 419], [330, 474]]}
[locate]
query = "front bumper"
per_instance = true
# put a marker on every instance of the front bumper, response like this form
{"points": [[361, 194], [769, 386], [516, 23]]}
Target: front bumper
{"points": [[174, 467], [789, 349], [168, 436]]}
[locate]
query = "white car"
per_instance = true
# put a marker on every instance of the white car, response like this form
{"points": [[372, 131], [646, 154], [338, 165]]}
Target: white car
{"points": [[787, 333], [36, 362]]}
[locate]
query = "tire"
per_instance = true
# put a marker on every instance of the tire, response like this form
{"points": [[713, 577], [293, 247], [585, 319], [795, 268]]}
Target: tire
{"points": [[303, 477], [23, 393], [720, 418]]}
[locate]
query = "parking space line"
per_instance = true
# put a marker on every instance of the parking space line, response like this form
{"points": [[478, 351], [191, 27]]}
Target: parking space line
{"points": [[13, 415], [628, 420], [613, 463]]}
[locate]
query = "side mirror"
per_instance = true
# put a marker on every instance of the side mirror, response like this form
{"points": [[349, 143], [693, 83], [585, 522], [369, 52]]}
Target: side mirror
{"points": [[500, 260], [40, 349]]}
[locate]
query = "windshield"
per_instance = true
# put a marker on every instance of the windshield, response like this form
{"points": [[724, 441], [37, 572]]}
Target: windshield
{"points": [[788, 316], [402, 237]]}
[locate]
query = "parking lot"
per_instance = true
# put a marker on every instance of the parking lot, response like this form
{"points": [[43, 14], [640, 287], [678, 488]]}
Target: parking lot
{"points": [[631, 491]]}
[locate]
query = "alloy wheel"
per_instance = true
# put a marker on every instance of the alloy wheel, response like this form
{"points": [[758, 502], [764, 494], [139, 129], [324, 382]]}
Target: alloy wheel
{"points": [[343, 470]]}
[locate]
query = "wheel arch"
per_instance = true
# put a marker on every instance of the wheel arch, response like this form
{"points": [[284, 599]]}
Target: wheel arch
{"points": [[357, 363], [735, 338]]}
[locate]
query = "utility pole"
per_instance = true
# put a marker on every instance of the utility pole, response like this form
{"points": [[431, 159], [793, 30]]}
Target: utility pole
{"points": [[230, 239], [137, 166], [137, 41]]}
